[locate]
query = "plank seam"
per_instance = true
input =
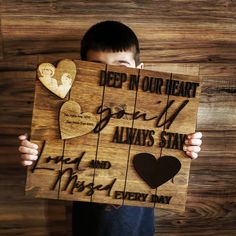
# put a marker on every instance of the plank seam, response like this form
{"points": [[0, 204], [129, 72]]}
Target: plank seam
{"points": [[98, 138], [127, 165], [164, 127]]}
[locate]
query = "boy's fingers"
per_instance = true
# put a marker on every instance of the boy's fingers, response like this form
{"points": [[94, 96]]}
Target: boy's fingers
{"points": [[26, 150], [23, 137], [196, 135], [28, 144], [27, 157], [191, 148], [26, 163], [193, 141], [193, 155]]}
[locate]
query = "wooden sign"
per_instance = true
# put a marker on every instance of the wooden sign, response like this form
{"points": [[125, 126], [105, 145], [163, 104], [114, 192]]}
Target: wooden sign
{"points": [[112, 134]]}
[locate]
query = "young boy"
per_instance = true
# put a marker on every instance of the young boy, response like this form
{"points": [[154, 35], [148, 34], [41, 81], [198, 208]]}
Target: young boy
{"points": [[112, 43]]}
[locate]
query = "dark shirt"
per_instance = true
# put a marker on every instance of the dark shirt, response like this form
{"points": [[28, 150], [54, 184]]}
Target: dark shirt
{"points": [[107, 220]]}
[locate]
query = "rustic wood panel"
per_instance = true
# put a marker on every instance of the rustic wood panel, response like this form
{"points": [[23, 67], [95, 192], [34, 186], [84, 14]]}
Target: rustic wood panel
{"points": [[1, 40], [172, 45], [183, 31], [192, 31], [89, 94]]}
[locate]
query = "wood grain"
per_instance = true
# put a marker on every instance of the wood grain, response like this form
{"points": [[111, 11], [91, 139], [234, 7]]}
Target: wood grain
{"points": [[86, 95], [171, 32], [1, 43], [176, 35]]}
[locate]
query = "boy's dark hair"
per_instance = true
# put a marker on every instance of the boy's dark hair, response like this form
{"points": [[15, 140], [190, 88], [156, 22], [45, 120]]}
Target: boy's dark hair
{"points": [[110, 36]]}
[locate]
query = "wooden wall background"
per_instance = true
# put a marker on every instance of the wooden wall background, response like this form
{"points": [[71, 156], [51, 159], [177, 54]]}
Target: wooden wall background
{"points": [[181, 32]]}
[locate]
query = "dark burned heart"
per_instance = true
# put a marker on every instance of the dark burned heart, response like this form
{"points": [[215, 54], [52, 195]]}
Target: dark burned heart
{"points": [[156, 172]]}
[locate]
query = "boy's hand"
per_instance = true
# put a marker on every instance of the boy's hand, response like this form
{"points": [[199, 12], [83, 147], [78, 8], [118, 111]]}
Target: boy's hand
{"points": [[28, 150], [192, 144]]}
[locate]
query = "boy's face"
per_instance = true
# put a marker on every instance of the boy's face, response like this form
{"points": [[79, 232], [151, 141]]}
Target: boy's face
{"points": [[124, 58]]}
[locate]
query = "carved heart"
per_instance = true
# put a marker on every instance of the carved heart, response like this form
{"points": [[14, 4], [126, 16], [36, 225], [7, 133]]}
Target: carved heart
{"points": [[58, 80], [73, 123], [156, 172]]}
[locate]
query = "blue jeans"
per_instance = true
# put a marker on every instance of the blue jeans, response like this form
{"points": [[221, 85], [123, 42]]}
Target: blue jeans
{"points": [[92, 219]]}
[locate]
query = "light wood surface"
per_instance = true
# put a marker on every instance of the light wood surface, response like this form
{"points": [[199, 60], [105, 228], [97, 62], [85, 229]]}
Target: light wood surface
{"points": [[59, 79], [119, 128]]}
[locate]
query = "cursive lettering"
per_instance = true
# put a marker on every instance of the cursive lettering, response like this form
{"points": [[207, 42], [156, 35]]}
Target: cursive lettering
{"points": [[71, 183], [107, 114]]}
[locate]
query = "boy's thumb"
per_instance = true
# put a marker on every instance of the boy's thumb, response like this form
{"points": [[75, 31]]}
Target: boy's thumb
{"points": [[23, 137]]}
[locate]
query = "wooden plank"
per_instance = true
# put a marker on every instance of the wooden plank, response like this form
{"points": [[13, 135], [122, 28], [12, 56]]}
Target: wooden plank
{"points": [[218, 102], [1, 36], [197, 10], [178, 68], [16, 101], [157, 97], [199, 211], [179, 38], [225, 139], [211, 69], [1, 39], [218, 93]]}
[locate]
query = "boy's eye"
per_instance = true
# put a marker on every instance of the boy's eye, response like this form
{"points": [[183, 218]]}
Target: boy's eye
{"points": [[124, 64]]}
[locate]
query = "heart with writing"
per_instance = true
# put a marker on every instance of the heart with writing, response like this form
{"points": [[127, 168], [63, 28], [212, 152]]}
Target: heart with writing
{"points": [[156, 172], [74, 123], [58, 80]]}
